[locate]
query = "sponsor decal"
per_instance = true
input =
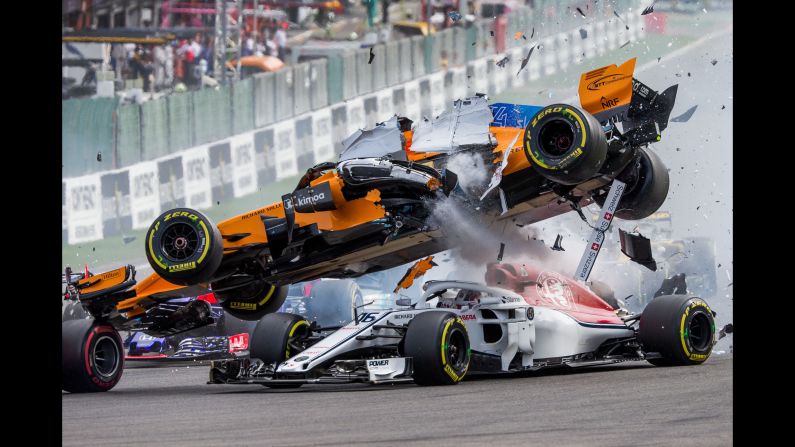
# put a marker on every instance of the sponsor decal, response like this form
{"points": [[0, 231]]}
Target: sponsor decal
{"points": [[451, 373], [554, 289], [83, 202], [402, 316], [602, 81], [366, 317], [544, 113], [597, 235], [116, 203], [144, 194], [316, 198], [190, 216], [284, 137], [238, 342], [244, 172], [244, 306], [468, 317], [196, 169], [377, 362], [321, 135], [608, 103], [183, 266], [301, 359]]}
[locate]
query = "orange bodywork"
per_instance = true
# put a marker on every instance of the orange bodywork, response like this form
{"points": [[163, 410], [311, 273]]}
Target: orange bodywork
{"points": [[608, 90], [347, 214], [415, 271], [102, 281]]}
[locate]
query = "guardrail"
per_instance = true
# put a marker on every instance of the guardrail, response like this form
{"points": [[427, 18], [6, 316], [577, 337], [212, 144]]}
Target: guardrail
{"points": [[220, 151]]}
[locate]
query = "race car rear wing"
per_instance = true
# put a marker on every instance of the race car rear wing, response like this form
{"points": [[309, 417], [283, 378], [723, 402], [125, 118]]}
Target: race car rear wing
{"points": [[612, 94], [103, 284]]}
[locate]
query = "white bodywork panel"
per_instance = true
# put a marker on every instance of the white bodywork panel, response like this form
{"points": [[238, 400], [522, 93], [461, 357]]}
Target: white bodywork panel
{"points": [[550, 334]]}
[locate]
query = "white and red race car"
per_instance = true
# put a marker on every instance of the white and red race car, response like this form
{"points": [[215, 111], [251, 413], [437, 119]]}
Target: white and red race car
{"points": [[525, 318]]}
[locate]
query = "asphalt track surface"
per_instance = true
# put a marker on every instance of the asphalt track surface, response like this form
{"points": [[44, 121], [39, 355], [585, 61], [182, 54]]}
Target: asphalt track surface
{"points": [[628, 404]]}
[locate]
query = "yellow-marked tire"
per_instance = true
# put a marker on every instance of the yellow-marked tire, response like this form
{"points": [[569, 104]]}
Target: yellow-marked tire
{"points": [[679, 327], [565, 144], [438, 343], [277, 337], [252, 301], [184, 246]]}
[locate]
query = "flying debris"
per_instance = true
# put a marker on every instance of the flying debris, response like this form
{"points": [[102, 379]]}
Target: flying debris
{"points": [[557, 246], [675, 285], [683, 118], [501, 63], [99, 156], [492, 33], [454, 16], [649, 9], [502, 250], [127, 239], [533, 33], [728, 329], [722, 107], [622, 20], [625, 44], [518, 35], [580, 11], [415, 271], [714, 61], [372, 56], [583, 33], [638, 248], [525, 60]]}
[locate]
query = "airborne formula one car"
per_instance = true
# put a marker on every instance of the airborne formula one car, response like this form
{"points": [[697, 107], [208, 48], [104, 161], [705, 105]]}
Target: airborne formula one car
{"points": [[536, 319], [374, 208]]}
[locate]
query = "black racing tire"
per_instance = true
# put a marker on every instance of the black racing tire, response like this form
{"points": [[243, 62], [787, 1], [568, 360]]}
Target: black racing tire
{"points": [[184, 247], [679, 327], [275, 338], [648, 191], [92, 356], [252, 301], [332, 301], [565, 144], [438, 343]]}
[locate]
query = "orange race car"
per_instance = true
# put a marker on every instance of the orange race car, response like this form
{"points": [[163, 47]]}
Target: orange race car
{"points": [[373, 209]]}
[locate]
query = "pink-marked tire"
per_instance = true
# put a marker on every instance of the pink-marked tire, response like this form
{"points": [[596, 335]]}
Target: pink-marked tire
{"points": [[92, 356]]}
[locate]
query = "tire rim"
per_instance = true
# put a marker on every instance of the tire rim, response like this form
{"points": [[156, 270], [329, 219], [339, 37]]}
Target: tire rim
{"points": [[456, 349], [699, 332], [297, 343], [556, 137], [179, 242], [106, 356]]}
